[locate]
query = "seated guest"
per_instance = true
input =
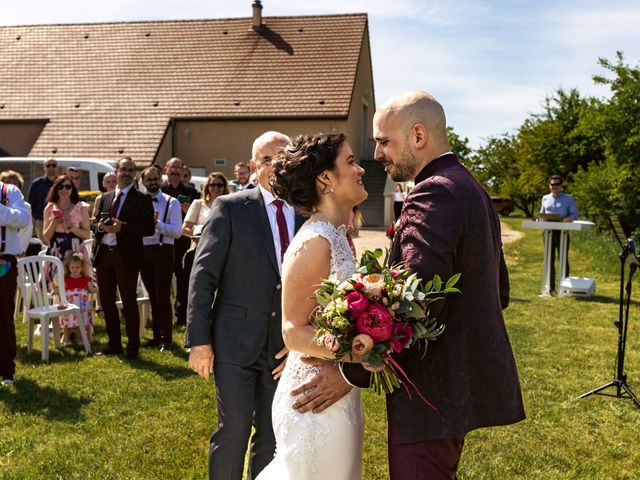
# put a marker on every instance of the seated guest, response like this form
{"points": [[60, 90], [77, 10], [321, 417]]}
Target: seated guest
{"points": [[158, 257]]}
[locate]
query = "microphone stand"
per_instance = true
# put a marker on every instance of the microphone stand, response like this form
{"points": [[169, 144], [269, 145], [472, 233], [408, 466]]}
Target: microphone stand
{"points": [[620, 382]]}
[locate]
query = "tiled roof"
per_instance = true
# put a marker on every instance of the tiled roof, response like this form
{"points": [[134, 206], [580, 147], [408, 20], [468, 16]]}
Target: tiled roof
{"points": [[111, 86]]}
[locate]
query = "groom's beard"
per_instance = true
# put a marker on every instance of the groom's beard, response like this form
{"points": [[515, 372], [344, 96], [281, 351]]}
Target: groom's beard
{"points": [[405, 169]]}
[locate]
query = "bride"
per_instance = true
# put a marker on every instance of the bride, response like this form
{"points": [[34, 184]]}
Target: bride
{"points": [[318, 175]]}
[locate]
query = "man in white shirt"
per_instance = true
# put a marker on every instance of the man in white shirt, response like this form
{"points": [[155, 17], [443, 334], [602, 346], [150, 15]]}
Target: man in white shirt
{"points": [[158, 259], [14, 215]]}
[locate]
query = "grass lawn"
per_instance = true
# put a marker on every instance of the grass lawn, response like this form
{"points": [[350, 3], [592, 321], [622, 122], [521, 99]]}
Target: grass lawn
{"points": [[102, 418]]}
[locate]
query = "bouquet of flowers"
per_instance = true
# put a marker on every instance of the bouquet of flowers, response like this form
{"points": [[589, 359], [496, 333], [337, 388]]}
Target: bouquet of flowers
{"points": [[379, 310]]}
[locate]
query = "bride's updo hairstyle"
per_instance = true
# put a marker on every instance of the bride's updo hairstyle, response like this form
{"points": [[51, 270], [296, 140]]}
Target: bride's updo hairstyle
{"points": [[298, 165]]}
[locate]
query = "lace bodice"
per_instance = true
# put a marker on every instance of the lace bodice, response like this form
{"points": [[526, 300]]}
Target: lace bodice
{"points": [[342, 262], [317, 446]]}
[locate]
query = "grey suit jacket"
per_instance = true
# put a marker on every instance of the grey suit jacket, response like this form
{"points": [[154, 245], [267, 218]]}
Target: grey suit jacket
{"points": [[235, 286]]}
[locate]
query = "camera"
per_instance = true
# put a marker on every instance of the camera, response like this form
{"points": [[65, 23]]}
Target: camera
{"points": [[106, 218]]}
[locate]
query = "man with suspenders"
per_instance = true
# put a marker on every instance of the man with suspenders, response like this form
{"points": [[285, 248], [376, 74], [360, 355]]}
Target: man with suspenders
{"points": [[159, 254], [14, 215]]}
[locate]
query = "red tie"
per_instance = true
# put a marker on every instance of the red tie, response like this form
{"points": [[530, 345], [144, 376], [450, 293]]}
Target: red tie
{"points": [[113, 211], [283, 231]]}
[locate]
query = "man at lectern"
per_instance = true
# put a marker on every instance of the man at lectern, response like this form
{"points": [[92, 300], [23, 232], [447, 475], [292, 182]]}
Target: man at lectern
{"points": [[562, 204]]}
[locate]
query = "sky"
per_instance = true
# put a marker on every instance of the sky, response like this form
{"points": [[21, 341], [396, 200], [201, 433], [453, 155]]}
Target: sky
{"points": [[490, 63]]}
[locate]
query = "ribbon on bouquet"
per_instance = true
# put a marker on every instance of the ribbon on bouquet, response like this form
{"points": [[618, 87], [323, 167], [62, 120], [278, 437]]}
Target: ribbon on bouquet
{"points": [[405, 379]]}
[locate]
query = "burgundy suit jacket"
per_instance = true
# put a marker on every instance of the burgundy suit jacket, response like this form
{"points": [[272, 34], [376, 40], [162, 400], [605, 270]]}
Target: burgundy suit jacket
{"points": [[448, 225]]}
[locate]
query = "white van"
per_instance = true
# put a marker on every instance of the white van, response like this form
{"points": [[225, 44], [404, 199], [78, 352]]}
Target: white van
{"points": [[91, 170]]}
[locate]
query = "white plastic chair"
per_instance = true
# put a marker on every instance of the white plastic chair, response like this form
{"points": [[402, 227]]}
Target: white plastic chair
{"points": [[43, 251], [144, 306], [33, 282]]}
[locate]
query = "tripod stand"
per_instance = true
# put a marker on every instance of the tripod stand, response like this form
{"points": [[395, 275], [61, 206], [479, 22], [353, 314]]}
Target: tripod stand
{"points": [[620, 382]]}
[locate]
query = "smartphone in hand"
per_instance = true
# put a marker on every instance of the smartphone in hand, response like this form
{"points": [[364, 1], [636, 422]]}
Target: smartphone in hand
{"points": [[106, 218], [183, 198]]}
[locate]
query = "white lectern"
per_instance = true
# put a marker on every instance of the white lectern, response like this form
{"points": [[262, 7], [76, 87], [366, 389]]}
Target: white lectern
{"points": [[547, 230]]}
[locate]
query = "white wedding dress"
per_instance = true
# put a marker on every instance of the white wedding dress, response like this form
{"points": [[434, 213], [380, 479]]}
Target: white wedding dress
{"points": [[326, 445]]}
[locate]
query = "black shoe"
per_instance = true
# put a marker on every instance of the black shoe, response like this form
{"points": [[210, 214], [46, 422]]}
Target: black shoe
{"points": [[7, 380], [152, 344], [131, 356], [109, 350]]}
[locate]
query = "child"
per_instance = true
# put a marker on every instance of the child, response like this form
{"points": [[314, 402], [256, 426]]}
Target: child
{"points": [[78, 286]]}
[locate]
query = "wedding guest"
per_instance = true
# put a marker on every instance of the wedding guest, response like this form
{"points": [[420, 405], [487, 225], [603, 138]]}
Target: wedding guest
{"points": [[78, 285], [563, 204], [242, 173], [234, 311], [185, 195], [38, 192], [66, 222], [158, 259], [125, 216], [75, 176], [25, 234], [469, 373], [109, 182], [198, 213], [14, 215], [186, 177]]}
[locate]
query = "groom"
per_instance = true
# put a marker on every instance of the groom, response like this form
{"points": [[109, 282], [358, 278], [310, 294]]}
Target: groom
{"points": [[234, 312], [448, 225]]}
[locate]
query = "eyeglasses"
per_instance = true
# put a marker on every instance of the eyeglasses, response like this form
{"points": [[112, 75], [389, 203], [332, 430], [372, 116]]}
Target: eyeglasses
{"points": [[51, 165], [65, 186], [216, 185], [555, 184]]}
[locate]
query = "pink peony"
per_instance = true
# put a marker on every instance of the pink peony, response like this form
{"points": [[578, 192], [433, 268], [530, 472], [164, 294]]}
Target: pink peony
{"points": [[331, 342], [362, 344], [373, 284], [376, 322], [357, 303], [402, 334]]}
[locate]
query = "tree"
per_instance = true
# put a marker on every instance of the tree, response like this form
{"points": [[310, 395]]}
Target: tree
{"points": [[612, 186], [459, 146]]}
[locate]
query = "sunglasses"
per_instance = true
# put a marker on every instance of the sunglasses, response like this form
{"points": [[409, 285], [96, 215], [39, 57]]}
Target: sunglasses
{"points": [[65, 186], [51, 165], [555, 184], [217, 185]]}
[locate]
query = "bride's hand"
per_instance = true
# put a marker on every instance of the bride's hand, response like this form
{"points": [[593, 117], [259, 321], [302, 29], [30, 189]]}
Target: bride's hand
{"points": [[373, 368], [277, 372]]}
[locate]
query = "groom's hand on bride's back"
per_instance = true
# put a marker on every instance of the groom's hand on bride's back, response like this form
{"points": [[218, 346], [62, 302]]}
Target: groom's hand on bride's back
{"points": [[322, 390], [201, 360]]}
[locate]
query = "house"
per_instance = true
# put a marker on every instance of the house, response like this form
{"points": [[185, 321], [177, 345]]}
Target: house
{"points": [[201, 90]]}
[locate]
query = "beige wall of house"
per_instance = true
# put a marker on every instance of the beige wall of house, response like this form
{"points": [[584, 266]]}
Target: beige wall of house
{"points": [[220, 144], [17, 138]]}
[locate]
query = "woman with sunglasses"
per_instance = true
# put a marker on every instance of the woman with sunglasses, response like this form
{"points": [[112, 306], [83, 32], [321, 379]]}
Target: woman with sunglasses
{"points": [[66, 223], [198, 212]]}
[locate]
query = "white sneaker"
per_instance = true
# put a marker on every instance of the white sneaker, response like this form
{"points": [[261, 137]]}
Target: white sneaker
{"points": [[7, 381]]}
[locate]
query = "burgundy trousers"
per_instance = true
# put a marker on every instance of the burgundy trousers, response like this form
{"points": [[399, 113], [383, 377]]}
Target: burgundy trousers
{"points": [[157, 272], [426, 460], [113, 273], [8, 285]]}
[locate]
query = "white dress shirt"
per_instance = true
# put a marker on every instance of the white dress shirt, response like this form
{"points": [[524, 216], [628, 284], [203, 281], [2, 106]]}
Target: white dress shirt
{"points": [[172, 227], [14, 215], [110, 238], [289, 216]]}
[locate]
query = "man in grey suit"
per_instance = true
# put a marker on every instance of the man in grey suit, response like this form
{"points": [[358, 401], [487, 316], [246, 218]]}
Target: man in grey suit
{"points": [[234, 312]]}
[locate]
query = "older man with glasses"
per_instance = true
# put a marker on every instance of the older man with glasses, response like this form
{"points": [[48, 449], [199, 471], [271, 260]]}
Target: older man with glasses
{"points": [[563, 204], [38, 192]]}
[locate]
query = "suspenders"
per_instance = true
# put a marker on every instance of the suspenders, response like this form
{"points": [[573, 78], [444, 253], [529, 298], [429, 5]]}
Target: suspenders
{"points": [[164, 218], [3, 229]]}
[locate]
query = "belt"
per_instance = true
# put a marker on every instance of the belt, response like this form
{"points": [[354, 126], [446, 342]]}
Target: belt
{"points": [[111, 248], [159, 245]]}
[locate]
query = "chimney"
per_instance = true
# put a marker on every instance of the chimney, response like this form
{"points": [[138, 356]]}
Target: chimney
{"points": [[257, 15]]}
